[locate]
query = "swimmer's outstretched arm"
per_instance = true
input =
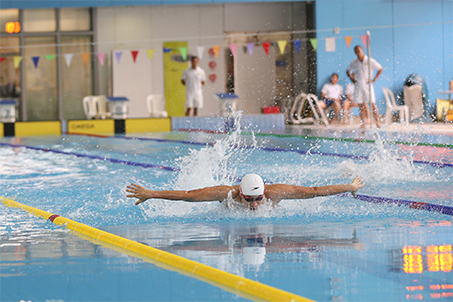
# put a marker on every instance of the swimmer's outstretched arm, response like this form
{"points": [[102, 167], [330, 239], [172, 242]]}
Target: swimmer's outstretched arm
{"points": [[278, 192], [217, 193]]}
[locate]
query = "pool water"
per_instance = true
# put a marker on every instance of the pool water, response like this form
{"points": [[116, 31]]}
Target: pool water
{"points": [[325, 248]]}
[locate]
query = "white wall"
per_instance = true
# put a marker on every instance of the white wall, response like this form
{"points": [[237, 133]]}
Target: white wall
{"points": [[147, 27]]}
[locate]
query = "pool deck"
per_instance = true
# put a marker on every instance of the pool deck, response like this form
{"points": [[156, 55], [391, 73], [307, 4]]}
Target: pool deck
{"points": [[426, 128]]}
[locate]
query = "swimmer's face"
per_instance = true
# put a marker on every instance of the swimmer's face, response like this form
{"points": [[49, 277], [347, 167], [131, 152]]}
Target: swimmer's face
{"points": [[252, 202]]}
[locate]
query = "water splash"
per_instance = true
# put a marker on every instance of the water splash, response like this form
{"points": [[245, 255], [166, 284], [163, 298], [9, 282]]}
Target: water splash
{"points": [[217, 164]]}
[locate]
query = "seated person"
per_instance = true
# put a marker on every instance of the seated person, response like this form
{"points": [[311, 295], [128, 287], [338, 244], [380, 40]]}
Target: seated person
{"points": [[331, 94], [349, 102]]}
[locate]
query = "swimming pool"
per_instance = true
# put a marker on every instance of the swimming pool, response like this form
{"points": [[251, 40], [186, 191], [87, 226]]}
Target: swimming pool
{"points": [[327, 248]]}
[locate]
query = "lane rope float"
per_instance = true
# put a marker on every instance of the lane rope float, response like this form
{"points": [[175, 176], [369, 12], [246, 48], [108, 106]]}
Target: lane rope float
{"points": [[417, 205], [238, 285], [358, 157]]}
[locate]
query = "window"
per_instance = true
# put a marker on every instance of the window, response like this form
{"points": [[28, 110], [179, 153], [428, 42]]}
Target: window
{"points": [[75, 19], [7, 16], [39, 20]]}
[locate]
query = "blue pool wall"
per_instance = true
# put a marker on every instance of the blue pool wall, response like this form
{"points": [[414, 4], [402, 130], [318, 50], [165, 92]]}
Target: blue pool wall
{"points": [[425, 49]]}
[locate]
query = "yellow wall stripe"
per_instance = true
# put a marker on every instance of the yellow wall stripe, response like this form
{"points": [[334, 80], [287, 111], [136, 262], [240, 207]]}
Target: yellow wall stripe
{"points": [[1, 130], [37, 128], [92, 127], [238, 285], [148, 125]]}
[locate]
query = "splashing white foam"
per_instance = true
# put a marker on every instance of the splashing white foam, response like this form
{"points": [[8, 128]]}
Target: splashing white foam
{"points": [[214, 165]]}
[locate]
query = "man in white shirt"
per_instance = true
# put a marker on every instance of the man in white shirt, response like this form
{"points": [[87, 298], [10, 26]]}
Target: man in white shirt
{"points": [[358, 72], [331, 94], [194, 78], [349, 102]]}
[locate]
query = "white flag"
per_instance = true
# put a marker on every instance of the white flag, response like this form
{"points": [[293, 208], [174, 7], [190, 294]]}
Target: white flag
{"points": [[200, 50], [68, 58], [330, 44]]}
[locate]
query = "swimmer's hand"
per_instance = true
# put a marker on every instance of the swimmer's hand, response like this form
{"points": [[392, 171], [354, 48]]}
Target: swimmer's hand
{"points": [[138, 192], [356, 184]]}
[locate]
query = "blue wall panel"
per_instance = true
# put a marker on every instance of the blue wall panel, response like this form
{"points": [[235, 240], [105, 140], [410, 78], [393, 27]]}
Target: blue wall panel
{"points": [[406, 37], [418, 48]]}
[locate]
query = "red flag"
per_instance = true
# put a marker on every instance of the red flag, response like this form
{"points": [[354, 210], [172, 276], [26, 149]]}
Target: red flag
{"points": [[2, 59], [134, 54], [266, 46]]}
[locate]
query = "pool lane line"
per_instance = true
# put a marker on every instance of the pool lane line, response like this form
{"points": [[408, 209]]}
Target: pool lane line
{"points": [[358, 157], [424, 206], [112, 160], [162, 140], [235, 284], [353, 140]]}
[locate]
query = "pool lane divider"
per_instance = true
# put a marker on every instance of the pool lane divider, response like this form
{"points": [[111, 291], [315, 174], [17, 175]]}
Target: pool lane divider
{"points": [[112, 160], [424, 206], [352, 140], [238, 285], [358, 157]]}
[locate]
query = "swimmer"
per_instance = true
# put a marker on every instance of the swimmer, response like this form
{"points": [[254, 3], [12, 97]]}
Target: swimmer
{"points": [[251, 192]]}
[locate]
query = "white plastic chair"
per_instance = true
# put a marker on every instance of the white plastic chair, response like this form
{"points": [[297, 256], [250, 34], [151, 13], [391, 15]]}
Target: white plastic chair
{"points": [[391, 107], [156, 105], [413, 99], [100, 103], [89, 107]]}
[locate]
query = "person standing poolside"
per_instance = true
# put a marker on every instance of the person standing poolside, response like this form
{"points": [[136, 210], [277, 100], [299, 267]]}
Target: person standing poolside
{"points": [[331, 94], [349, 102], [251, 192], [358, 72], [194, 78]]}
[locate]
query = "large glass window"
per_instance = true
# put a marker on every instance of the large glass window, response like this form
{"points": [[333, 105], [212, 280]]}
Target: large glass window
{"points": [[39, 20], [8, 16], [75, 19], [9, 74], [77, 77], [41, 82]]}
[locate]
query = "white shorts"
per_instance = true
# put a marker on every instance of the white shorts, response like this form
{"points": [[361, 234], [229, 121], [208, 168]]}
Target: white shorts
{"points": [[361, 95], [194, 101]]}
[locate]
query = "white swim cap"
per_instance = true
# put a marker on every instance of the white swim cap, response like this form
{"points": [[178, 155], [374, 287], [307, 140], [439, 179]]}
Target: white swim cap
{"points": [[252, 185]]}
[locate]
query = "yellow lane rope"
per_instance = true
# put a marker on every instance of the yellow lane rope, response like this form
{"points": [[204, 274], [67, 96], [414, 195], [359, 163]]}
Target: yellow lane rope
{"points": [[238, 285]]}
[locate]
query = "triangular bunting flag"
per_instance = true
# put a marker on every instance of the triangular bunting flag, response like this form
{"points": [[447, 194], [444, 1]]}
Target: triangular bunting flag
{"points": [[2, 59], [364, 40], [250, 47], [266, 46], [282, 46], [200, 50], [86, 58], [118, 56], [50, 57], [216, 49], [314, 43], [183, 51], [17, 60], [134, 55], [233, 48], [101, 58], [348, 40], [297, 44], [330, 44], [150, 54], [167, 50], [68, 58], [35, 61], [244, 48]]}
